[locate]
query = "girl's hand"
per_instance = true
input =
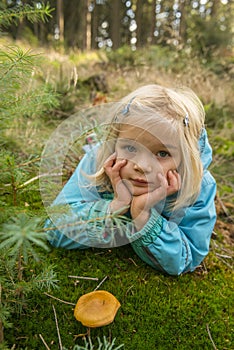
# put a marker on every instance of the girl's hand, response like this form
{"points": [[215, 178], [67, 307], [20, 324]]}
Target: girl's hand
{"points": [[141, 205], [122, 196]]}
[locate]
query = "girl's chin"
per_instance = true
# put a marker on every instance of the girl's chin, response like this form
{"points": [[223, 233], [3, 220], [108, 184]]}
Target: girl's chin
{"points": [[139, 191]]}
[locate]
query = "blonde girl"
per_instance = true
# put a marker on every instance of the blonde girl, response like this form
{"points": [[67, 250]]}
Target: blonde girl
{"points": [[145, 184]]}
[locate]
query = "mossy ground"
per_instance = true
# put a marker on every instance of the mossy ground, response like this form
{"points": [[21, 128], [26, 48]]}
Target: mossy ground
{"points": [[157, 311]]}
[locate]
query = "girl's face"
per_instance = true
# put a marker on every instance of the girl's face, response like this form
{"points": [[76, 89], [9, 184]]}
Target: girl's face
{"points": [[146, 156]]}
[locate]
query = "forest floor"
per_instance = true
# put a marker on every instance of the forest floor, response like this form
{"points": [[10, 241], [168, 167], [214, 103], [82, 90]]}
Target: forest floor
{"points": [[193, 311]]}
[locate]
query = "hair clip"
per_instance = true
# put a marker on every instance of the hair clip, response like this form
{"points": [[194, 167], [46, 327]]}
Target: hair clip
{"points": [[126, 109], [186, 120]]}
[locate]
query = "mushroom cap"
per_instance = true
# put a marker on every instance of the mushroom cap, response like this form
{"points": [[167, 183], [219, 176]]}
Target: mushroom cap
{"points": [[96, 309]]}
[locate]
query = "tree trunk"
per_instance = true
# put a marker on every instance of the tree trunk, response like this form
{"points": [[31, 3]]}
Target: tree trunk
{"points": [[1, 324], [153, 22], [139, 20], [94, 28], [1, 332], [60, 19], [88, 17], [115, 24], [183, 29]]}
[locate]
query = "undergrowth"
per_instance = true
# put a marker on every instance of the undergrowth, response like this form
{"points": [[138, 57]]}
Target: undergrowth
{"points": [[192, 311]]}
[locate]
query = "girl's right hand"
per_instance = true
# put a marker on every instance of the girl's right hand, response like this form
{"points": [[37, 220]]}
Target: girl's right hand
{"points": [[122, 196]]}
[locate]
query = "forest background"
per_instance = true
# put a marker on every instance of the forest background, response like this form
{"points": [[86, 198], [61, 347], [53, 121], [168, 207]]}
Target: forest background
{"points": [[56, 59]]}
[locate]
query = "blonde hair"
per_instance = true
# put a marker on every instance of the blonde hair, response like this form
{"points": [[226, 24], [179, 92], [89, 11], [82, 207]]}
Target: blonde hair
{"points": [[147, 107]]}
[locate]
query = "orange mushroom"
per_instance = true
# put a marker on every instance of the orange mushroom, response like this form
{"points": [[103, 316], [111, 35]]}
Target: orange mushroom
{"points": [[96, 309]]}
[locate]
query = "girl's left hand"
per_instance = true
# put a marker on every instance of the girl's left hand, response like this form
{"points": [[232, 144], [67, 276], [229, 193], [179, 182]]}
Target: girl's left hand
{"points": [[141, 205]]}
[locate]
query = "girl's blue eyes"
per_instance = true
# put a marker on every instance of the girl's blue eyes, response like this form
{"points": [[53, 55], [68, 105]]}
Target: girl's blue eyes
{"points": [[133, 149], [163, 154], [130, 148]]}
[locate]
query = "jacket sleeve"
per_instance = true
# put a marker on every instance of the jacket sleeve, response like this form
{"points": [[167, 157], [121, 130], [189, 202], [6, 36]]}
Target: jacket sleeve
{"points": [[77, 216], [179, 247]]}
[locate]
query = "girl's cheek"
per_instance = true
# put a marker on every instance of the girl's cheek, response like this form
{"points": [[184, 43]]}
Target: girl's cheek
{"points": [[120, 154], [124, 170]]}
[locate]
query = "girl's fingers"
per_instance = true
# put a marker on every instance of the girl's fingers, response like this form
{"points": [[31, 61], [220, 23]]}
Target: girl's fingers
{"points": [[163, 181], [119, 164], [112, 168], [110, 160], [174, 181]]}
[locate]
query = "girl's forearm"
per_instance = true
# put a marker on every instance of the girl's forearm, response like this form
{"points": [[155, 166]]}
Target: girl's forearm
{"points": [[141, 219], [117, 205]]}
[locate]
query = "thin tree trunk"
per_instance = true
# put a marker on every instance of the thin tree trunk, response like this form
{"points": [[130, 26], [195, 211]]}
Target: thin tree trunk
{"points": [[60, 19], [95, 18], [153, 22], [88, 26], [1, 332], [116, 24], [182, 29], [1, 324], [139, 19]]}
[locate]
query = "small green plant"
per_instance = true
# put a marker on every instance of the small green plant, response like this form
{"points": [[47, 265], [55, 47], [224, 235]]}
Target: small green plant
{"points": [[18, 241], [32, 13], [105, 345], [21, 237]]}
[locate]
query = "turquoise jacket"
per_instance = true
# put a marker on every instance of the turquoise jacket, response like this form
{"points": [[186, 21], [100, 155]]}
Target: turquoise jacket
{"points": [[169, 243]]}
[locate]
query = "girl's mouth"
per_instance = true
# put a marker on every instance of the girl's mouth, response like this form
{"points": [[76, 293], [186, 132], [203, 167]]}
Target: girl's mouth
{"points": [[140, 182]]}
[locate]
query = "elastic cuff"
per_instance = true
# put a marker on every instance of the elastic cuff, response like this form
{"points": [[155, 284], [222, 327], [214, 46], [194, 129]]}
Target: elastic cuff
{"points": [[149, 232]]}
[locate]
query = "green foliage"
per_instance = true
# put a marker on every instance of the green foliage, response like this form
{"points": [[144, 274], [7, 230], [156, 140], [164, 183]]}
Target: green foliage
{"points": [[21, 237], [123, 57], [20, 234], [21, 95], [106, 345], [38, 12], [208, 35], [18, 239]]}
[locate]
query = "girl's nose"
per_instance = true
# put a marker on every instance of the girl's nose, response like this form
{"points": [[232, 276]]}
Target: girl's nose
{"points": [[143, 166]]}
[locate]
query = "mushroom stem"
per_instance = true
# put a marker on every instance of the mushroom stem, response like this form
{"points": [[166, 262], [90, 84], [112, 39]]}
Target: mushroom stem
{"points": [[88, 332]]}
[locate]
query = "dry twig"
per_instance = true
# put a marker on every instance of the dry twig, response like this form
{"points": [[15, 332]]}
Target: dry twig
{"points": [[208, 330], [222, 204], [102, 281], [62, 301], [85, 278], [57, 327], [44, 342]]}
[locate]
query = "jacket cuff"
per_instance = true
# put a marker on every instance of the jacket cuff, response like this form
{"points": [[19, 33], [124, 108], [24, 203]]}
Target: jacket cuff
{"points": [[149, 232]]}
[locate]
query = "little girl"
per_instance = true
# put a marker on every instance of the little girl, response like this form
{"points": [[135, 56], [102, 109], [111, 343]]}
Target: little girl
{"points": [[145, 184]]}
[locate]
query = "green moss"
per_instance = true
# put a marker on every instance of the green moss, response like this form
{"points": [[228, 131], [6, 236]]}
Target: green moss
{"points": [[157, 311]]}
